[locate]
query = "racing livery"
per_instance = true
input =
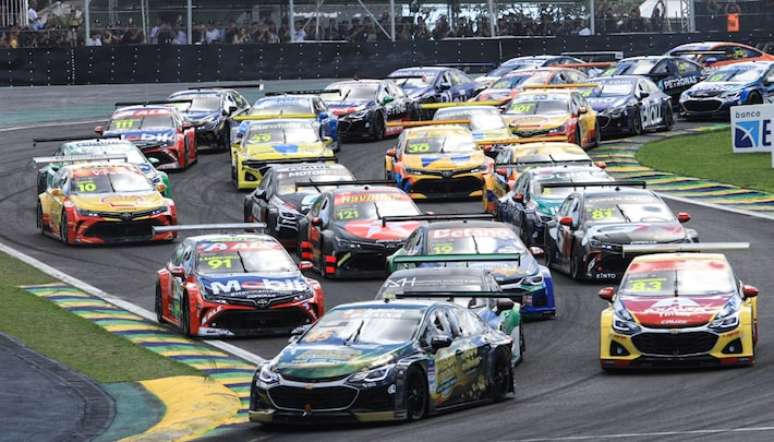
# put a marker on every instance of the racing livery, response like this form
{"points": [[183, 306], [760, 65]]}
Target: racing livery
{"points": [[493, 246], [673, 75], [737, 84], [484, 122], [510, 86], [209, 110], [160, 131], [587, 234], [384, 361], [285, 194], [629, 104], [522, 64], [472, 288], [715, 54], [440, 161], [435, 84], [344, 233], [235, 285], [261, 142], [299, 104], [679, 309], [364, 107], [103, 203]]}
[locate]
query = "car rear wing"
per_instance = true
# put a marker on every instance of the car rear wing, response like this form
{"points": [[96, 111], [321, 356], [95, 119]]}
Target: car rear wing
{"points": [[590, 65], [509, 141], [560, 86], [35, 141], [78, 159], [275, 117], [152, 103], [444, 294], [268, 162], [485, 257], [318, 184], [191, 227], [304, 92], [583, 185], [681, 52], [258, 86], [698, 247], [594, 56], [425, 123], [495, 103], [450, 217], [467, 67], [407, 77]]}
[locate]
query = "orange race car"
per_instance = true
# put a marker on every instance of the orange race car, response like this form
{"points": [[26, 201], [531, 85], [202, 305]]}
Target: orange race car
{"points": [[510, 85], [715, 54]]}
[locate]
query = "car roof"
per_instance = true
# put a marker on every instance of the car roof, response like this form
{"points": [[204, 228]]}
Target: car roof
{"points": [[213, 91], [101, 165], [665, 261], [548, 91], [466, 225], [546, 148], [466, 108], [97, 142], [148, 107], [222, 237], [451, 128], [309, 120], [600, 191], [711, 45], [619, 77], [286, 168], [424, 68], [366, 188], [540, 172]]}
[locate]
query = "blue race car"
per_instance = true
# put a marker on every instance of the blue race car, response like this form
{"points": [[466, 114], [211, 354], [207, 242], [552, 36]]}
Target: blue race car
{"points": [[629, 104], [673, 75], [733, 85], [435, 84]]}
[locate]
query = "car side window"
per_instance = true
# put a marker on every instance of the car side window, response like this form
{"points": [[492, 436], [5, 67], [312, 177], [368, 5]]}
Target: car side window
{"points": [[661, 68], [521, 184], [769, 77], [437, 325], [315, 210], [454, 322], [381, 93], [564, 209], [471, 323], [575, 208], [188, 258], [324, 209], [686, 67], [177, 257], [503, 157]]}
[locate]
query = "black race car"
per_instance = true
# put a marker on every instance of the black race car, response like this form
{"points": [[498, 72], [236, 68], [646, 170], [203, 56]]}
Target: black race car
{"points": [[629, 104], [209, 112], [282, 197], [673, 75], [435, 84], [344, 234], [364, 107], [587, 235]]}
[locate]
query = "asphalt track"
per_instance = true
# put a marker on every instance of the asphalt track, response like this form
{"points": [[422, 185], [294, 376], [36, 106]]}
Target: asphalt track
{"points": [[561, 392]]}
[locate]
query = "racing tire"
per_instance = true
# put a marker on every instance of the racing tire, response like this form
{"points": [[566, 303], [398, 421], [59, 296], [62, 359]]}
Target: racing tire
{"points": [[754, 98], [325, 251], [185, 316], [637, 123], [597, 134], [578, 137], [575, 268], [669, 120], [501, 376], [39, 218], [378, 128], [157, 305], [523, 234], [184, 165], [519, 345], [63, 233], [42, 183], [416, 395]]}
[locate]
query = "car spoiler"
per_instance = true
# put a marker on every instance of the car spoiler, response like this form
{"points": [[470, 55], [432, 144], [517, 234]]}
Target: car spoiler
{"points": [[268, 162], [35, 141], [450, 217], [595, 55], [79, 159], [685, 247], [464, 104], [560, 86], [190, 227], [258, 86], [406, 77], [317, 184], [507, 141], [304, 92], [279, 116], [444, 294], [151, 103], [466, 67], [457, 258], [425, 123], [616, 184], [680, 52], [594, 64]]}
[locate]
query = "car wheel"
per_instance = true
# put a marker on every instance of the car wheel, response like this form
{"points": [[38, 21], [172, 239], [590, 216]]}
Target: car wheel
{"points": [[184, 161], [637, 123], [578, 137], [225, 142], [575, 268], [185, 316], [501, 376], [42, 182], [517, 347], [754, 98], [524, 232], [39, 218], [669, 120], [416, 395], [378, 127], [63, 230], [597, 134], [157, 305]]}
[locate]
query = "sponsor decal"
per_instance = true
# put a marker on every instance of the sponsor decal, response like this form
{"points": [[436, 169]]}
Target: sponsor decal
{"points": [[478, 232], [360, 198], [752, 128], [236, 286], [674, 310], [122, 200], [235, 246]]}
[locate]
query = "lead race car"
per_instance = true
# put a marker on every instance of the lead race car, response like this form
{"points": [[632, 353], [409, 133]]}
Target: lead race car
{"points": [[679, 305], [234, 284], [384, 361], [435, 84]]}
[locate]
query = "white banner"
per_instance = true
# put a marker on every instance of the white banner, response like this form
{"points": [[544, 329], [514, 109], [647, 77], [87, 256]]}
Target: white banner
{"points": [[752, 128]]}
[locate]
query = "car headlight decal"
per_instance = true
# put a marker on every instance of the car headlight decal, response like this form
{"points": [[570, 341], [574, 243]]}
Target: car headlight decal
{"points": [[623, 321], [728, 317], [374, 375]]}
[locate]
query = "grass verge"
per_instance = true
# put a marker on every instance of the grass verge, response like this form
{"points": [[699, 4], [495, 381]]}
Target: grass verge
{"points": [[76, 342], [709, 156]]}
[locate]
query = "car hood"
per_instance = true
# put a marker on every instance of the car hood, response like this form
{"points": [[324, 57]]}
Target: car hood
{"points": [[288, 150], [491, 134], [532, 122], [715, 88], [450, 161], [494, 94], [339, 108], [603, 103], [253, 285], [299, 201], [324, 361], [150, 136], [636, 233], [674, 311], [121, 203], [198, 115], [372, 230]]}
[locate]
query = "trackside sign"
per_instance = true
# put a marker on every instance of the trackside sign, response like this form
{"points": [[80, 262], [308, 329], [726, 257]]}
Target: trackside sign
{"points": [[752, 128]]}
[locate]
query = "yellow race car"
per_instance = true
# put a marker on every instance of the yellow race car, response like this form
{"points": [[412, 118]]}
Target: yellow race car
{"points": [[441, 160], [554, 112], [261, 142], [675, 309]]}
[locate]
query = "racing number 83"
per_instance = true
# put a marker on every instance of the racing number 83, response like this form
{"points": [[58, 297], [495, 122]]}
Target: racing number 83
{"points": [[647, 285]]}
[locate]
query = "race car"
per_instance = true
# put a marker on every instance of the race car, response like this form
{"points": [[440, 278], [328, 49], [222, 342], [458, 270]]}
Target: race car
{"points": [[510, 86], [158, 129], [530, 205], [364, 107], [384, 361], [716, 54], [299, 104], [629, 104], [102, 203], [435, 84], [475, 289], [438, 161], [554, 112], [587, 234], [524, 63], [79, 146], [737, 84], [260, 143], [285, 195], [484, 121], [679, 308], [673, 75], [492, 246], [209, 112], [234, 285]]}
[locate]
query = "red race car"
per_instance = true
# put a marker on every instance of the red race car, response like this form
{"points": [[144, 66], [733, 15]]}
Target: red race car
{"points": [[235, 285], [158, 129]]}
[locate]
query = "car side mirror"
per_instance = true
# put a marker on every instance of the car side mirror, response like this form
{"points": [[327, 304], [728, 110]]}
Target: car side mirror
{"points": [[518, 197], [323, 116], [502, 171], [583, 110], [316, 221], [187, 125], [683, 217], [439, 342], [154, 161], [601, 164], [566, 221], [388, 99], [327, 140], [99, 130], [749, 291], [57, 192], [297, 332], [607, 293], [260, 194], [644, 94], [504, 304], [444, 86], [392, 152], [305, 266], [177, 271], [161, 187], [537, 252]]}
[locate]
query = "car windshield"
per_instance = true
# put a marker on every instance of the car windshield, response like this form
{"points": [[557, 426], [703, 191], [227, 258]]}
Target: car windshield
{"points": [[287, 184], [365, 326], [611, 89], [358, 206], [133, 155], [109, 182], [473, 240], [436, 142], [516, 64], [560, 193], [141, 120], [684, 278], [201, 103], [480, 119], [281, 134], [632, 67], [282, 105], [243, 257], [352, 91], [626, 209], [522, 79], [737, 74], [539, 105]]}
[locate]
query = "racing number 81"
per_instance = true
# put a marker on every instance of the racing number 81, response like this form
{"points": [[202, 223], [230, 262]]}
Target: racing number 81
{"points": [[598, 214]]}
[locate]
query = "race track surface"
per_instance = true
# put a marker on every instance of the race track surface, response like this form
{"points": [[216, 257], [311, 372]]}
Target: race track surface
{"points": [[561, 392]]}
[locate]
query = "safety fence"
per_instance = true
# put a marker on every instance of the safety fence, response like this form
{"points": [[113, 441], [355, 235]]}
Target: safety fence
{"points": [[171, 64]]}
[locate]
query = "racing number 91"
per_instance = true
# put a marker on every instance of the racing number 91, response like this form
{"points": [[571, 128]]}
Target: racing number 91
{"points": [[219, 263]]}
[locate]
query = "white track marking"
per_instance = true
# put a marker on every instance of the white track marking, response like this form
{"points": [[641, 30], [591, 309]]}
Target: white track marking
{"points": [[649, 436]]}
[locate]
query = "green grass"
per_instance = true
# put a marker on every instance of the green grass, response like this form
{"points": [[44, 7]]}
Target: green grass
{"points": [[69, 339], [709, 156]]}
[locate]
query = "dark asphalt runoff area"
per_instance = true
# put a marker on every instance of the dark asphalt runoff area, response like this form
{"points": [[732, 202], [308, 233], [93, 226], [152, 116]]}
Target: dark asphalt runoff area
{"points": [[561, 392]]}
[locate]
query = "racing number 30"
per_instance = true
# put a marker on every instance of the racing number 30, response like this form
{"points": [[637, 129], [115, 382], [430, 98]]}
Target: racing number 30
{"points": [[418, 148]]}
